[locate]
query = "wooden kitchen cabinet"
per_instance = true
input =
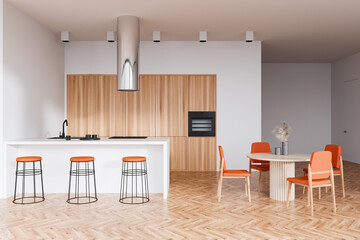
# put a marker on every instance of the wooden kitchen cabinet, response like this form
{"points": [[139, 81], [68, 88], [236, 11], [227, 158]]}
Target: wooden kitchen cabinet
{"points": [[160, 108], [179, 153], [202, 153], [141, 108], [202, 93], [172, 105], [94, 106]]}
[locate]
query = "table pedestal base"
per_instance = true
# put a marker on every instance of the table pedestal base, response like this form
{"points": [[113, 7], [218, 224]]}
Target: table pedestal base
{"points": [[279, 172]]}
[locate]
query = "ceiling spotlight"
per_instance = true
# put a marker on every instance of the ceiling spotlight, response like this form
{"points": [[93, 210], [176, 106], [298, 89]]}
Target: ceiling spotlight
{"points": [[156, 36], [110, 36], [65, 36], [203, 36], [249, 36]]}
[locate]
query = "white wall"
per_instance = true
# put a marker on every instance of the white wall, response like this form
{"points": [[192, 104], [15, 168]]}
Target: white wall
{"points": [[300, 94], [345, 102], [238, 69], [85, 57], [2, 161], [33, 78]]}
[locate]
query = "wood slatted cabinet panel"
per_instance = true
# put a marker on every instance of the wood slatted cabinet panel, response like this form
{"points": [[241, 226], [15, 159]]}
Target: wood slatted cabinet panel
{"points": [[202, 93], [202, 153], [80, 107], [141, 108], [179, 153], [172, 105], [94, 106]]}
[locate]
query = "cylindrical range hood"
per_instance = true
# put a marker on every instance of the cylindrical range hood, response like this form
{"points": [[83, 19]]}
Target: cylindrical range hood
{"points": [[128, 41]]}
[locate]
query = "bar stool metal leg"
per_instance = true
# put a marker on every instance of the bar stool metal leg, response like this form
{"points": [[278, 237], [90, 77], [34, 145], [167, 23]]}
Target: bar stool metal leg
{"points": [[94, 180], [16, 174], [42, 182], [82, 171], [30, 172], [134, 172]]}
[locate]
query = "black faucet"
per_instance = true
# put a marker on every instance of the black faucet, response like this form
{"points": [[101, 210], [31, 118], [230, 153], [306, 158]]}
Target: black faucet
{"points": [[63, 132]]}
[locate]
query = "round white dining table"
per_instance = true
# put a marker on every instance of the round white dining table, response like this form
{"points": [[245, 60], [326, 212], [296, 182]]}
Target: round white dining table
{"points": [[281, 168]]}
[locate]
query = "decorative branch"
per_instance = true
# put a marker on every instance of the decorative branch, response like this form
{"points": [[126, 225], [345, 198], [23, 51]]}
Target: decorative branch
{"points": [[283, 133]]}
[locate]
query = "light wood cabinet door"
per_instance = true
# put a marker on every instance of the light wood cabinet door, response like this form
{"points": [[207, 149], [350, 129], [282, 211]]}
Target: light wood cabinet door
{"points": [[80, 106], [94, 106], [179, 153], [202, 93], [110, 107], [141, 108], [172, 105], [202, 153]]}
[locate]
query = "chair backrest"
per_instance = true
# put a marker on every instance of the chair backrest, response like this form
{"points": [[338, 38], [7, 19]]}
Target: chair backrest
{"points": [[336, 153], [222, 157], [320, 162], [260, 147]]}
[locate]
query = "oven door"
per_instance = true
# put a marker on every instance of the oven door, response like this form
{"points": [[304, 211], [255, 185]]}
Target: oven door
{"points": [[201, 124]]}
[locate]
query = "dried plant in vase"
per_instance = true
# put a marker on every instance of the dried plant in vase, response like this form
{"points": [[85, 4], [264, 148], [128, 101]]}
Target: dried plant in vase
{"points": [[283, 133]]}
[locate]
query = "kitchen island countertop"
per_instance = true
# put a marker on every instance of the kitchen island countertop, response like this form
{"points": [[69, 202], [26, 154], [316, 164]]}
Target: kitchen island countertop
{"points": [[108, 155]]}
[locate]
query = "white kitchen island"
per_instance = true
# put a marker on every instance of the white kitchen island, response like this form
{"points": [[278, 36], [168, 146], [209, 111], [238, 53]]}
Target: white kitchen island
{"points": [[108, 155]]}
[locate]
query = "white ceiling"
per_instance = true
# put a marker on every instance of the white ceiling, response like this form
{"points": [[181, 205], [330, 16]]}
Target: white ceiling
{"points": [[291, 30]]}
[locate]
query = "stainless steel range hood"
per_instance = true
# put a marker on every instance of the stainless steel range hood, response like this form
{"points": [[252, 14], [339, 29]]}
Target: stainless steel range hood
{"points": [[128, 41]]}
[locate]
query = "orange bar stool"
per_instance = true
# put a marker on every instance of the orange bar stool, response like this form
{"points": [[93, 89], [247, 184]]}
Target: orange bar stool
{"points": [[30, 172], [134, 187], [82, 169]]}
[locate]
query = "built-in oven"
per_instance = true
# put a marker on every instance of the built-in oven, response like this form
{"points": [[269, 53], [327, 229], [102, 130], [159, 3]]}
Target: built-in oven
{"points": [[201, 124]]}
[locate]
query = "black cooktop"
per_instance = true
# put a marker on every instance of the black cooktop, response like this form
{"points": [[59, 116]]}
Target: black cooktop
{"points": [[128, 137]]}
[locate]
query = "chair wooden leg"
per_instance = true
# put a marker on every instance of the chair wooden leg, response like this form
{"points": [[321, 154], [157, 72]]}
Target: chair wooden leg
{"points": [[248, 187], [308, 196], [342, 184], [304, 186], [311, 201], [246, 193], [259, 181], [288, 194], [333, 194], [326, 189], [217, 192], [219, 189], [319, 193]]}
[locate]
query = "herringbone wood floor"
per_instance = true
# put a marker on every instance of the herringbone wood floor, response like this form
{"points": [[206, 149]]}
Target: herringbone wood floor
{"points": [[191, 212]]}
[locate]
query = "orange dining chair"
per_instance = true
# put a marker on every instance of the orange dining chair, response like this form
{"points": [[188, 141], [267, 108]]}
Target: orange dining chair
{"points": [[337, 162], [261, 166], [319, 171], [225, 173]]}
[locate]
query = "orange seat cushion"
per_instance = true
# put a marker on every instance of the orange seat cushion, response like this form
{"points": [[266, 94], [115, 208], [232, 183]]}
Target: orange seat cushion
{"points": [[304, 181], [236, 173], [335, 171], [265, 167], [29, 159], [82, 159], [134, 159]]}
